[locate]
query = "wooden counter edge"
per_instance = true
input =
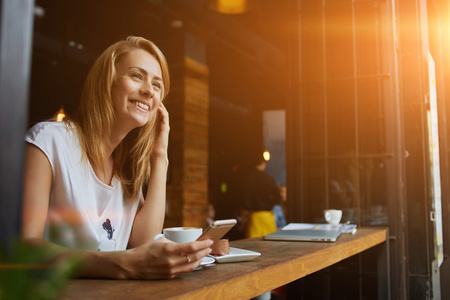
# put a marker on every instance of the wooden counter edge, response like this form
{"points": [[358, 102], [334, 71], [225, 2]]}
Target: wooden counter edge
{"points": [[246, 287]]}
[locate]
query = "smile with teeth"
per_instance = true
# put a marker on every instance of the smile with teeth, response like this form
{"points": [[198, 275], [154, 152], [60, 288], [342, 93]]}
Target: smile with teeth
{"points": [[141, 105]]}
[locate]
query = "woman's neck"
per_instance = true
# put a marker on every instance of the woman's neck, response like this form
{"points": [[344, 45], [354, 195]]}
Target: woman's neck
{"points": [[106, 173]]}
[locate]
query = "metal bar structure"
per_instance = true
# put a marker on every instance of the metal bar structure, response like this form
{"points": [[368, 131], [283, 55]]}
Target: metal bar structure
{"points": [[15, 65]]}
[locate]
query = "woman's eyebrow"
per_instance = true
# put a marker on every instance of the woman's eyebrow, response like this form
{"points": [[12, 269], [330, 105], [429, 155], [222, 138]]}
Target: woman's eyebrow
{"points": [[156, 77], [139, 68]]}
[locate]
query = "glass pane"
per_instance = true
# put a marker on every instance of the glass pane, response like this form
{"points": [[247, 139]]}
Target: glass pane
{"points": [[374, 188], [366, 39], [313, 119], [330, 3], [417, 208], [341, 118], [311, 44], [309, 5], [371, 118], [339, 41], [314, 190], [343, 187]]}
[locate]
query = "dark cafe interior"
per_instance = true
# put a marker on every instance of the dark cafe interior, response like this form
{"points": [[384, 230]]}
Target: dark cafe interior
{"points": [[347, 97]]}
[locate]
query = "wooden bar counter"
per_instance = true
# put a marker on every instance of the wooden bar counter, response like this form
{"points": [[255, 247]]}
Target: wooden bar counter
{"points": [[280, 263]]}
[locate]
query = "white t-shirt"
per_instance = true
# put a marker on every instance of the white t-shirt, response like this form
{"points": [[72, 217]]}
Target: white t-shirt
{"points": [[84, 213]]}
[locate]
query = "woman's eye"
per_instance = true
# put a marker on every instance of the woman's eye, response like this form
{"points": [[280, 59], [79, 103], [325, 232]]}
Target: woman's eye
{"points": [[157, 85], [137, 76]]}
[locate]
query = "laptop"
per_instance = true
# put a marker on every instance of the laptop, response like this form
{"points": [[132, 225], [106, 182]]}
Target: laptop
{"points": [[306, 235]]}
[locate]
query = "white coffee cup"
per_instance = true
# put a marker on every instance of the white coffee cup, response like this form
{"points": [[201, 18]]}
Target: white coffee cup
{"points": [[180, 234], [333, 216]]}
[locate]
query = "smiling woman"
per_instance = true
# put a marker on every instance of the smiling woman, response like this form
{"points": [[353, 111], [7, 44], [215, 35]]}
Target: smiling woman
{"points": [[84, 176], [136, 92], [97, 100]]}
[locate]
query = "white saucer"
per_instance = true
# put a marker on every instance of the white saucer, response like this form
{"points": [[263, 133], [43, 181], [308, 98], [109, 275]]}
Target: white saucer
{"points": [[207, 260], [237, 255]]}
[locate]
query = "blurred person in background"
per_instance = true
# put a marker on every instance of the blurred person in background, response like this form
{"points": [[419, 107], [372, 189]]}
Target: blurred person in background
{"points": [[260, 195], [280, 209]]}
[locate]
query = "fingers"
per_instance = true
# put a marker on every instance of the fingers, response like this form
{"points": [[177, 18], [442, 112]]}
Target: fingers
{"points": [[184, 257], [195, 246], [191, 253], [163, 108], [197, 256], [164, 114], [162, 132], [196, 250], [190, 261], [168, 259]]}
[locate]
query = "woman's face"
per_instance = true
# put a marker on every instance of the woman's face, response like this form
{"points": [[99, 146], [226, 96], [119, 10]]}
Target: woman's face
{"points": [[136, 91]]}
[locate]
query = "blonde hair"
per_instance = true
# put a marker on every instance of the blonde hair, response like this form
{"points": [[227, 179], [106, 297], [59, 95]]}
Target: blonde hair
{"points": [[95, 117]]}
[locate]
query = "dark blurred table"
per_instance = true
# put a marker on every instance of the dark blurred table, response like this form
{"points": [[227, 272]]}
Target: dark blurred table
{"points": [[280, 263]]}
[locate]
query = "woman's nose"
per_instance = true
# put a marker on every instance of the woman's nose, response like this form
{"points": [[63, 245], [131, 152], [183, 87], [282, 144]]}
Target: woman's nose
{"points": [[147, 90]]}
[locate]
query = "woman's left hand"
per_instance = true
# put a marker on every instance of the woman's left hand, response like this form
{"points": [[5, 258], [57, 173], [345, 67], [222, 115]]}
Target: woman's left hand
{"points": [[162, 132]]}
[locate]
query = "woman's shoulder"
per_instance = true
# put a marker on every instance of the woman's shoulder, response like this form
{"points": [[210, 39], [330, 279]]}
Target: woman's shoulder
{"points": [[49, 129]]}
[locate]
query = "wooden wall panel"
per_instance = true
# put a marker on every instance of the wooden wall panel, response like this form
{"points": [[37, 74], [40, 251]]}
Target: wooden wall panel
{"points": [[188, 105], [175, 106], [196, 144]]}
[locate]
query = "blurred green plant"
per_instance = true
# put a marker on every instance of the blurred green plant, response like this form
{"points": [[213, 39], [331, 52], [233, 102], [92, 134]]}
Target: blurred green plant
{"points": [[31, 273]]}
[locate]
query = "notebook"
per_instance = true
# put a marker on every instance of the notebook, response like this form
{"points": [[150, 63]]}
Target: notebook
{"points": [[308, 235]]}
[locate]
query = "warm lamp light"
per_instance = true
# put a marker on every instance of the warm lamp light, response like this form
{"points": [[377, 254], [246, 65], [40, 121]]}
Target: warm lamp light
{"points": [[230, 6], [266, 155], [60, 115]]}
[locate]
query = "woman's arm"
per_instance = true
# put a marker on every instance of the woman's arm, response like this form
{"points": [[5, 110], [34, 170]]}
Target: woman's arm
{"points": [[36, 192], [150, 218], [154, 260], [160, 259]]}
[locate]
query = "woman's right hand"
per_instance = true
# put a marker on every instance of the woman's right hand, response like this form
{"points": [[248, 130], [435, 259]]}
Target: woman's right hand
{"points": [[163, 259]]}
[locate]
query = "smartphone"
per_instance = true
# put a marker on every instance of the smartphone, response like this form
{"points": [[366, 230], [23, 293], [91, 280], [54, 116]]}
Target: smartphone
{"points": [[217, 229]]}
